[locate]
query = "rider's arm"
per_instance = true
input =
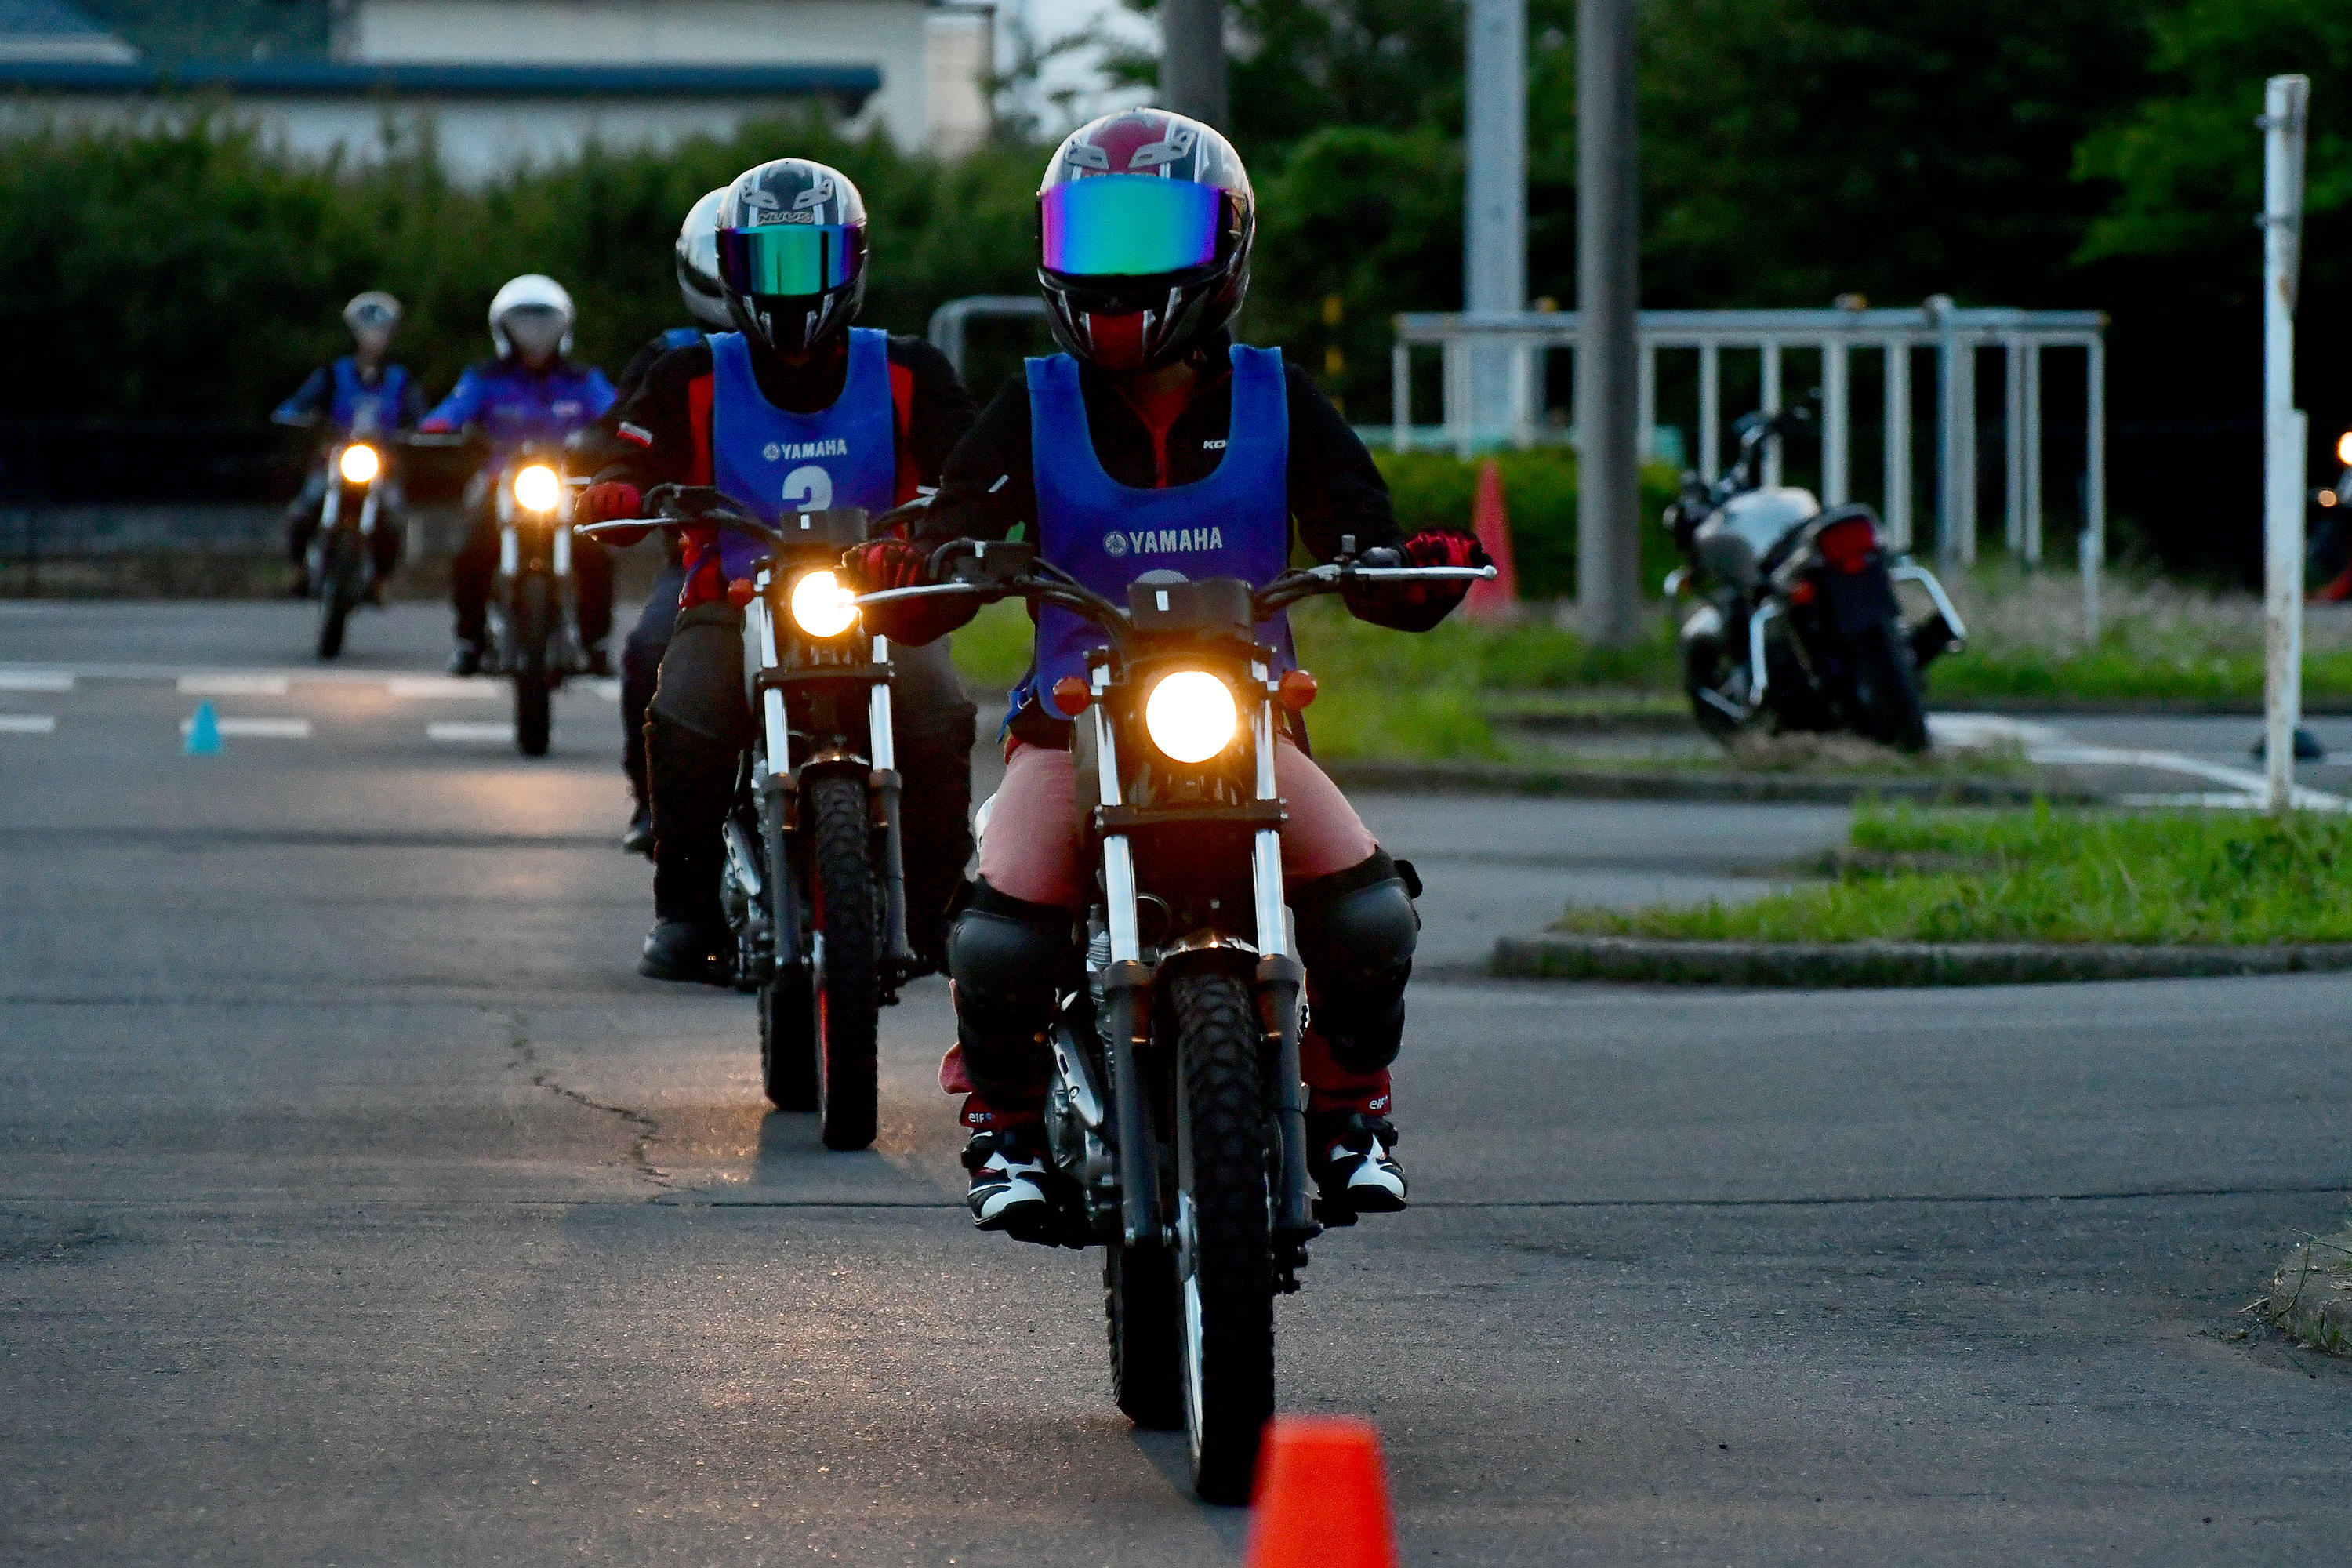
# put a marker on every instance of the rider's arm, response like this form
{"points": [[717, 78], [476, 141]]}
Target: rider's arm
{"points": [[654, 435], [1335, 491], [462, 408], [310, 400], [596, 392], [987, 486], [938, 413], [411, 413]]}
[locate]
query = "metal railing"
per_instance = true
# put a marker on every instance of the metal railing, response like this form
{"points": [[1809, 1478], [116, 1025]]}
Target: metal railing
{"points": [[947, 323], [1957, 335]]}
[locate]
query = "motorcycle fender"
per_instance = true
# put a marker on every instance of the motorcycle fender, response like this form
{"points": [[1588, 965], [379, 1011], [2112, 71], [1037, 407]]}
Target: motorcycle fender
{"points": [[1857, 601], [1704, 623]]}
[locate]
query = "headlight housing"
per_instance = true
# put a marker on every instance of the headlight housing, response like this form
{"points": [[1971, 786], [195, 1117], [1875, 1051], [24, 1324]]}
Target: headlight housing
{"points": [[2344, 449], [537, 488], [360, 464], [821, 605], [1191, 715]]}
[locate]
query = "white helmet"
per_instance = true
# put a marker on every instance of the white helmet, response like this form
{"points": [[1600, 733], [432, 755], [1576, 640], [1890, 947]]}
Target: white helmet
{"points": [[697, 263], [541, 312], [375, 311]]}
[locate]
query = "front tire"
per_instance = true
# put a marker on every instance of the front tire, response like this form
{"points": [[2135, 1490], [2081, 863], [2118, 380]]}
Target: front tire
{"points": [[534, 696], [1224, 1260], [334, 597], [849, 949]]}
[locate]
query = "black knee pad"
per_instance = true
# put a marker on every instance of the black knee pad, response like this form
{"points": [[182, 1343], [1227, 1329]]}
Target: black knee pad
{"points": [[691, 781], [1357, 930], [1007, 955], [700, 687]]}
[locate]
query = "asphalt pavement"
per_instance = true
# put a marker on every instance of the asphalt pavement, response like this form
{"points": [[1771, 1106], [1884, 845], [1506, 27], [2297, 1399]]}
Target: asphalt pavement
{"points": [[359, 1203]]}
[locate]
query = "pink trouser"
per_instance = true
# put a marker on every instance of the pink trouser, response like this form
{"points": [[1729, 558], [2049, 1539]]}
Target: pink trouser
{"points": [[1033, 850]]}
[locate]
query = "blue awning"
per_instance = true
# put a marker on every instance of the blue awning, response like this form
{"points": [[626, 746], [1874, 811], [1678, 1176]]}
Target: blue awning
{"points": [[850, 84]]}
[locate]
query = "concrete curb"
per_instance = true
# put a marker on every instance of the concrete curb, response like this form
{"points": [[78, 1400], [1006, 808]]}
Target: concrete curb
{"points": [[1501, 778], [1886, 963], [2311, 1295]]}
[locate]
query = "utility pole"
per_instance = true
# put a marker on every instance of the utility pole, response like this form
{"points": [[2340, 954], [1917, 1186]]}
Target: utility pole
{"points": [[1193, 59], [1608, 288], [1495, 201], [2284, 439]]}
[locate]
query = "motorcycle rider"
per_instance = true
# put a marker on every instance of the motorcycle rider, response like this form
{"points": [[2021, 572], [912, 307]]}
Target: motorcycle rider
{"points": [[794, 409], [360, 393], [696, 263], [532, 392], [1148, 218]]}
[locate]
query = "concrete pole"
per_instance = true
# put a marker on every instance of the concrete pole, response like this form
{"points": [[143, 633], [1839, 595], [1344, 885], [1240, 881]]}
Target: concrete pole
{"points": [[1607, 285], [2283, 437], [1494, 196], [1193, 59]]}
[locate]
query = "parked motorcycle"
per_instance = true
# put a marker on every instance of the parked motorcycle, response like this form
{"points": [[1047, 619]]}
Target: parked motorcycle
{"points": [[1799, 627], [813, 884], [1176, 1114], [534, 616]]}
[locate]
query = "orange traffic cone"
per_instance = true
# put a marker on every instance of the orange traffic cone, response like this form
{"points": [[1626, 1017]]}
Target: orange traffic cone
{"points": [[1494, 599], [1322, 1501]]}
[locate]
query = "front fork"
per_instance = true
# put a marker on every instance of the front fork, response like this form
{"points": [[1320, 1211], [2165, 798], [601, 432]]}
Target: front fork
{"points": [[1281, 990]]}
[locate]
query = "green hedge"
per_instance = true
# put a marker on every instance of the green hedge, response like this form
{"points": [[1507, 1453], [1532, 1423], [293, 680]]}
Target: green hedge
{"points": [[1539, 499]]}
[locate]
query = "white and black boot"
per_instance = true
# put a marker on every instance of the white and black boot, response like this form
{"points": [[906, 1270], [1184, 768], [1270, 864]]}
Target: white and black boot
{"points": [[1008, 1181], [1354, 1167]]}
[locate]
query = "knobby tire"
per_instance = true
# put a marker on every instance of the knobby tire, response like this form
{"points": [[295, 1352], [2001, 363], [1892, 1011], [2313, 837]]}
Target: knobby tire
{"points": [[533, 697], [848, 912]]}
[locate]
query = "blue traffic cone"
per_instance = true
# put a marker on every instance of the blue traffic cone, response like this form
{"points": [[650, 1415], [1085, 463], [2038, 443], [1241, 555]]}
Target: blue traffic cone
{"points": [[203, 732]]}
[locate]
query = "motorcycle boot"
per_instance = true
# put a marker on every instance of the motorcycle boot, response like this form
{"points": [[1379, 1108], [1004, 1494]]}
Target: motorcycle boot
{"points": [[637, 839], [1350, 1155], [1356, 932], [691, 779], [466, 658], [1008, 1181]]}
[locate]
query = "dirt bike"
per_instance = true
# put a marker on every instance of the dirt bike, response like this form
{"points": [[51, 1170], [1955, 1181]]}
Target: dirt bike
{"points": [[1799, 627], [534, 614], [1176, 1115], [814, 885]]}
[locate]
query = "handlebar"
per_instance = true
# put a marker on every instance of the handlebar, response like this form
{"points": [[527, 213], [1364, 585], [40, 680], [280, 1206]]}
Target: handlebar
{"points": [[690, 506]]}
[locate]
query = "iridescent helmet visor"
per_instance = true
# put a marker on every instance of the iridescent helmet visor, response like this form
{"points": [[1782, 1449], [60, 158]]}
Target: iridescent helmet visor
{"points": [[790, 259], [1111, 225]]}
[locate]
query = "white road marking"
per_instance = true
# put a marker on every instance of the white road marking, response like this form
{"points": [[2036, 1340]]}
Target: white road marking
{"points": [[27, 723], [233, 685], [445, 686], [259, 729], [2050, 747], [470, 729], [36, 680]]}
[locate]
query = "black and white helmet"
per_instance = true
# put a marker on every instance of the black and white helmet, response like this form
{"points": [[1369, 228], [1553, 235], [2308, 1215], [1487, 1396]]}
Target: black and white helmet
{"points": [[791, 253], [697, 264]]}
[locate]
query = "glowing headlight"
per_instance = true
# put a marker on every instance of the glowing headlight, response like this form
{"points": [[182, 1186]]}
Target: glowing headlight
{"points": [[537, 488], [1191, 715], [2344, 449], [821, 605], [359, 463]]}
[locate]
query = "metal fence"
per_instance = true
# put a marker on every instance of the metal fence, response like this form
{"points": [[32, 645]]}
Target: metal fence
{"points": [[947, 323], [1956, 335]]}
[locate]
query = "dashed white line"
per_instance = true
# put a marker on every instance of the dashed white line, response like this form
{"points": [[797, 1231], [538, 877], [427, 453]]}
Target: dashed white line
{"points": [[233, 686], [469, 730], [27, 723], [258, 728], [445, 686], [36, 680]]}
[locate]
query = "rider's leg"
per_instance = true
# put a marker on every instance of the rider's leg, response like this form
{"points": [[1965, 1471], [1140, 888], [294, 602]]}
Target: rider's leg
{"points": [[641, 658], [1357, 929], [932, 721], [695, 740], [471, 571], [391, 531], [302, 526], [591, 586], [1006, 948]]}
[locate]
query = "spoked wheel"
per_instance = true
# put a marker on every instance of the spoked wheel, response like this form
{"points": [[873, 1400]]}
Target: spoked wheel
{"points": [[1224, 1262], [1139, 1303], [1887, 688], [335, 596], [533, 697], [848, 963]]}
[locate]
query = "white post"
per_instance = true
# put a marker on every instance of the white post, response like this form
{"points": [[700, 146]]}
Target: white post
{"points": [[2013, 500], [2092, 548], [1645, 404], [2284, 455], [2032, 454], [1897, 500], [1770, 399], [1836, 483], [1710, 409], [1494, 236], [1964, 494], [1401, 395]]}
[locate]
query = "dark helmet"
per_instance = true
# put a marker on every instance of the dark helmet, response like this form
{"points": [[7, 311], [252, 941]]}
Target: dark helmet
{"points": [[1145, 222], [791, 253]]}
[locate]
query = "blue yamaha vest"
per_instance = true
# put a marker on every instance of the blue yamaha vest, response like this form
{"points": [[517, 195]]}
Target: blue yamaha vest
{"points": [[363, 409], [676, 337], [774, 461], [1234, 524]]}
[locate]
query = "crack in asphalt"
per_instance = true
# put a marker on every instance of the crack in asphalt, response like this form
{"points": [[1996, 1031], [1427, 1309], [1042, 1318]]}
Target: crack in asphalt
{"points": [[526, 1056]]}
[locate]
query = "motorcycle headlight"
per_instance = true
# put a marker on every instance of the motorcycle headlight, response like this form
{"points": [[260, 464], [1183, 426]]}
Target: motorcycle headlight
{"points": [[536, 488], [360, 464], [1191, 715], [821, 605], [2344, 449]]}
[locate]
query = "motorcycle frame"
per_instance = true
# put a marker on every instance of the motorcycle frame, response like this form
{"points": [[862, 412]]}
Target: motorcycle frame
{"points": [[330, 512], [519, 559]]}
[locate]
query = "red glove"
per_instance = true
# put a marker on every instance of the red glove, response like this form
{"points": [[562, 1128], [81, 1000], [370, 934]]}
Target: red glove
{"points": [[606, 500], [899, 563], [1417, 606]]}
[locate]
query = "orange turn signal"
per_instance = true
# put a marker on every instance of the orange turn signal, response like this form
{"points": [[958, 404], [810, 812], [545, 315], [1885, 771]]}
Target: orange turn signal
{"points": [[1296, 690], [740, 593], [1802, 593], [1071, 696]]}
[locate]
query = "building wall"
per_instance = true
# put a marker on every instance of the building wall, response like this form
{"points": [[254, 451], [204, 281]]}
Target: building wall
{"points": [[891, 35]]}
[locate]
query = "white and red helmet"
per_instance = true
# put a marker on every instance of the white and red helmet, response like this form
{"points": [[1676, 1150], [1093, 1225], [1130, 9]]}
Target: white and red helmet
{"points": [[1145, 221]]}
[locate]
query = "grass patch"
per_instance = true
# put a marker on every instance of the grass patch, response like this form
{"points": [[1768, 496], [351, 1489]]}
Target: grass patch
{"points": [[2047, 875]]}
